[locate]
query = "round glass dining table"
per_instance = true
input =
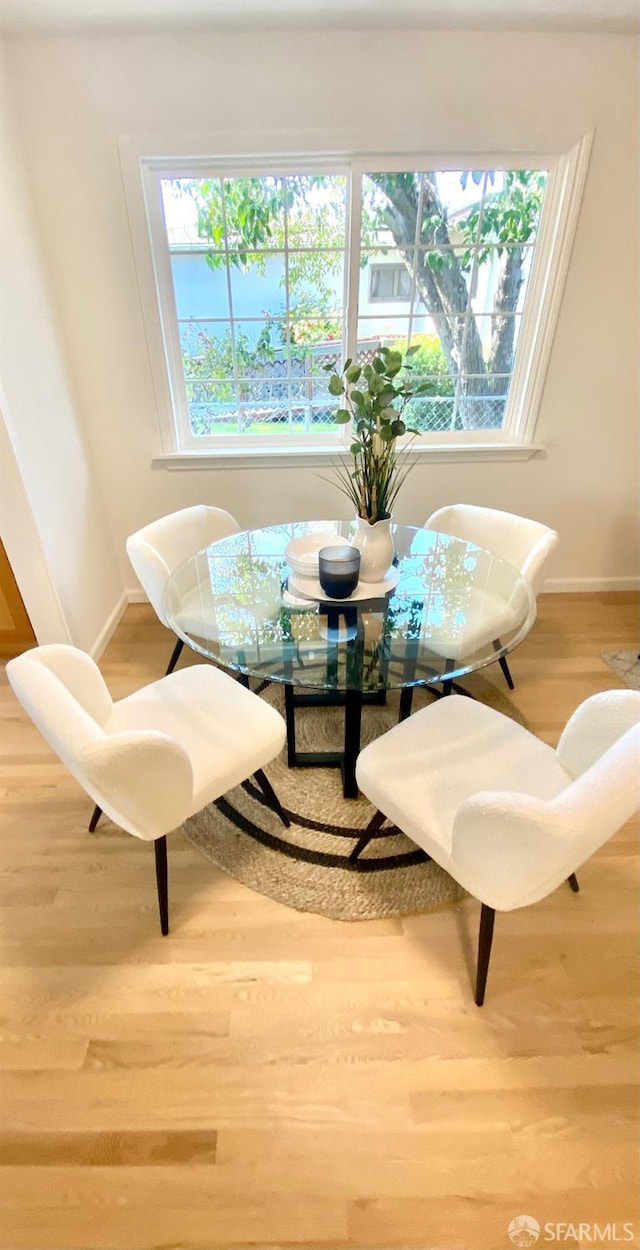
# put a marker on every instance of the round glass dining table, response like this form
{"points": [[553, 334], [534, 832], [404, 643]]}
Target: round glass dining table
{"points": [[453, 608]]}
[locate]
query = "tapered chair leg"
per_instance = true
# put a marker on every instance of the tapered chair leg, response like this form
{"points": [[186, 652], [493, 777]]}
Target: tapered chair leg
{"points": [[485, 938], [97, 813], [370, 832], [503, 664], [572, 881], [175, 656], [271, 797], [160, 848], [507, 674]]}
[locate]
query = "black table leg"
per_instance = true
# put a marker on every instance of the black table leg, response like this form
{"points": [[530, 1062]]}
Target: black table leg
{"points": [[406, 700], [447, 686], [352, 723], [412, 647], [351, 698], [290, 717]]}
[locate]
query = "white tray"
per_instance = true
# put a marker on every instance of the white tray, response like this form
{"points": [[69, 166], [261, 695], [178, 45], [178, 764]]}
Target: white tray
{"points": [[310, 588]]}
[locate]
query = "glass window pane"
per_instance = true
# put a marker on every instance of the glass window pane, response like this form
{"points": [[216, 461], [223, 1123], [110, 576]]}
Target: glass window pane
{"points": [[322, 355], [264, 401], [212, 408], [500, 277], [384, 330], [323, 414], [251, 214], [180, 208], [316, 210], [318, 333], [316, 282], [430, 412], [257, 284], [489, 343], [258, 346], [482, 402], [447, 198], [458, 190], [443, 280], [511, 207], [206, 349], [390, 205], [199, 289], [264, 392], [263, 418], [429, 369]]}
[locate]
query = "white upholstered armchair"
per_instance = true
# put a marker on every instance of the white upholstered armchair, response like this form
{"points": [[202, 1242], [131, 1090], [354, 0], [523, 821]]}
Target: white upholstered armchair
{"points": [[153, 759], [509, 817], [521, 542], [157, 549]]}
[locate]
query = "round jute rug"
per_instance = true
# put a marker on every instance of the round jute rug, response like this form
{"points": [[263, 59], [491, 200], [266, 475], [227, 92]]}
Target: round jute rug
{"points": [[306, 866]]}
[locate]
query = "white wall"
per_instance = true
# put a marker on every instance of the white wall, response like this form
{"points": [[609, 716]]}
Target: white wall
{"points": [[405, 91], [54, 521]]}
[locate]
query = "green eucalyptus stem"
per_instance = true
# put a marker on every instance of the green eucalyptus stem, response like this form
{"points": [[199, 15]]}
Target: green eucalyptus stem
{"points": [[374, 409]]}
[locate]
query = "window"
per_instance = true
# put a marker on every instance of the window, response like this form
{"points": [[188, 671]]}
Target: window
{"points": [[267, 277], [389, 282]]}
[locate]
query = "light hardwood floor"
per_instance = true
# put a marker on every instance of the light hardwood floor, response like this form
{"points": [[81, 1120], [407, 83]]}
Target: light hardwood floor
{"points": [[267, 1078]]}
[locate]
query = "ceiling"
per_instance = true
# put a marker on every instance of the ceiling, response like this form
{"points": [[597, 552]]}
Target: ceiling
{"points": [[39, 17]]}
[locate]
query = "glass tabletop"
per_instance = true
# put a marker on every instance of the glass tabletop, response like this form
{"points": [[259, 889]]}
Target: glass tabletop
{"points": [[453, 609]]}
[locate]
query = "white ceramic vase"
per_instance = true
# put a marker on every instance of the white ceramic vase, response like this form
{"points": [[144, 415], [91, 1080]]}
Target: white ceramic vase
{"points": [[375, 544]]}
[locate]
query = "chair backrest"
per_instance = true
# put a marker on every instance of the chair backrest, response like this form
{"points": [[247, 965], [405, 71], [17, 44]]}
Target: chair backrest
{"points": [[595, 726], [519, 848], [142, 779], [524, 543], [157, 549]]}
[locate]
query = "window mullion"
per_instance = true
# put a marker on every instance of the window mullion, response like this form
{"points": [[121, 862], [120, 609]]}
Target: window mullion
{"points": [[234, 360], [287, 303], [352, 268], [468, 312], [352, 274], [414, 267]]}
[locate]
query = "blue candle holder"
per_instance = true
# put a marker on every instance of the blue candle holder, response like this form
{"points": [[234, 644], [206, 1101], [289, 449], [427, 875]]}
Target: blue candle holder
{"points": [[338, 571]]}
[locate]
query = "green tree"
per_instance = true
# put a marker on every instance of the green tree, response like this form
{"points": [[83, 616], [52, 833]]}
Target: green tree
{"points": [[506, 220]]}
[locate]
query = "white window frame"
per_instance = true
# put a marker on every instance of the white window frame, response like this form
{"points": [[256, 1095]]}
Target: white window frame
{"points": [[142, 171]]}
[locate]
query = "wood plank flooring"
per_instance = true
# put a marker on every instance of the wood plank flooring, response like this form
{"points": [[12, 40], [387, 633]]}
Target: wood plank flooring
{"points": [[264, 1078]]}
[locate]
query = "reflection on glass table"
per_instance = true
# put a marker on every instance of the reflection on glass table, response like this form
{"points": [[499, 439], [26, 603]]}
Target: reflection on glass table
{"points": [[454, 608]]}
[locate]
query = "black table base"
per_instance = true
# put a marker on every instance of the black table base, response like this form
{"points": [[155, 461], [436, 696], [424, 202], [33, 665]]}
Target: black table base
{"points": [[352, 701]]}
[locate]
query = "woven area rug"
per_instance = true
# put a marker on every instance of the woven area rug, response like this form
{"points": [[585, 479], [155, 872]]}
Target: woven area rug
{"points": [[306, 866], [626, 665]]}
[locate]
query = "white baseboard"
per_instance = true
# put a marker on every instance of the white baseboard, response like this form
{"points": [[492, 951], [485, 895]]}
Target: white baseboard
{"points": [[136, 595], [556, 585], [109, 628]]}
